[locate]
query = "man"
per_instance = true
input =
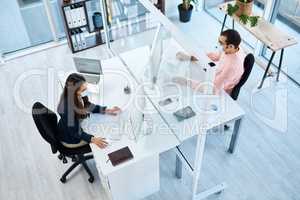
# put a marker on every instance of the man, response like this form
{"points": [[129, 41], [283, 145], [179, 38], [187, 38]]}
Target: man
{"points": [[230, 62]]}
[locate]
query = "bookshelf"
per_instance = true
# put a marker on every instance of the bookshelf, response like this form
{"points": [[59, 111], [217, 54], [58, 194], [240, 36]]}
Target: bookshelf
{"points": [[121, 12], [78, 22]]}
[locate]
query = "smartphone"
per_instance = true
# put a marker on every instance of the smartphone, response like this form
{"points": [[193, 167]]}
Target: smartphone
{"points": [[165, 102]]}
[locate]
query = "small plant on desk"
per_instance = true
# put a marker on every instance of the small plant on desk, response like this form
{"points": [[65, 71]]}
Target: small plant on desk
{"points": [[243, 9]]}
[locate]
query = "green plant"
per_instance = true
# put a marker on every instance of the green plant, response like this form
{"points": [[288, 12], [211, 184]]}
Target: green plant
{"points": [[186, 4], [253, 20], [244, 18], [232, 9]]}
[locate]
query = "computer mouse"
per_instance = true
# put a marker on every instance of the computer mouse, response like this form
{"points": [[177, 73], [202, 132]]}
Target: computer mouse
{"points": [[127, 90], [214, 107]]}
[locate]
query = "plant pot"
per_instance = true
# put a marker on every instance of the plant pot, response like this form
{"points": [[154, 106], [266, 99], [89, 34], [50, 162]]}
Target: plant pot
{"points": [[244, 8], [185, 15]]}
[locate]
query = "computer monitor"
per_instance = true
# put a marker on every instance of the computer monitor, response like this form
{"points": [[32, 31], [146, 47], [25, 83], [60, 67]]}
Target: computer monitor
{"points": [[156, 54], [90, 68]]}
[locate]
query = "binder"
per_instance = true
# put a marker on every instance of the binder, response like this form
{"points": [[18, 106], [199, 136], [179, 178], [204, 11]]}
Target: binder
{"points": [[78, 15], [73, 16], [68, 17], [82, 38], [78, 39], [74, 41], [82, 16]]}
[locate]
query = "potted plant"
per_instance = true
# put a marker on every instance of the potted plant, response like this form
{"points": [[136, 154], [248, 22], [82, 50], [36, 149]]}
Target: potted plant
{"points": [[185, 10], [243, 9]]}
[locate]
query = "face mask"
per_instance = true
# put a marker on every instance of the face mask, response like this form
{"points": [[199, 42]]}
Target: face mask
{"points": [[84, 93], [219, 48]]}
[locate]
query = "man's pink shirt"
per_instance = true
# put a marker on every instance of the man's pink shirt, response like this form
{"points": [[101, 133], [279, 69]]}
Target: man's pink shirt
{"points": [[230, 68]]}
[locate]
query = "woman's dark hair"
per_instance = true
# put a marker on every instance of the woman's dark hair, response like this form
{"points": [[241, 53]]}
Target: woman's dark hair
{"points": [[69, 96], [232, 37]]}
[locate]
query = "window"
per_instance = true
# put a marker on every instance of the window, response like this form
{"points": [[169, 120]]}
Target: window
{"points": [[211, 6], [26, 27]]}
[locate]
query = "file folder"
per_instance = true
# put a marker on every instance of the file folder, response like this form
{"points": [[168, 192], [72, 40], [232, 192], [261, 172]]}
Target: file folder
{"points": [[68, 17]]}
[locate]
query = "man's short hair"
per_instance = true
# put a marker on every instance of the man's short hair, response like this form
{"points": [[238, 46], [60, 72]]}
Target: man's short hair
{"points": [[232, 37]]}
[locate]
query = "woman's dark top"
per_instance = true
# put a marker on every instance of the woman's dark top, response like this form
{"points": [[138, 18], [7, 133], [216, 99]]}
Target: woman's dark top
{"points": [[69, 128]]}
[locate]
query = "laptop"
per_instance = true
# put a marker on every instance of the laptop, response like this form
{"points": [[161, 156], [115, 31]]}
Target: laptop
{"points": [[91, 69]]}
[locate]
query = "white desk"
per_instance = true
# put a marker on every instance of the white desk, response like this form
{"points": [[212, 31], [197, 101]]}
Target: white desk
{"points": [[124, 181], [228, 110], [139, 177]]}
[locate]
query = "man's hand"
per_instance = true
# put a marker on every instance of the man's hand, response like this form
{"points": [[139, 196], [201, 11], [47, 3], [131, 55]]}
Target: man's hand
{"points": [[100, 142], [194, 59], [113, 111], [184, 57]]}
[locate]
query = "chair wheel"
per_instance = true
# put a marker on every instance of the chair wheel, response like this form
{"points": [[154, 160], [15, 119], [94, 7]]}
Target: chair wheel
{"points": [[91, 179], [65, 160], [60, 156], [63, 180], [74, 159]]}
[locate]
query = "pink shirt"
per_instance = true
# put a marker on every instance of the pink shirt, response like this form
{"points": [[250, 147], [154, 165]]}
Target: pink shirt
{"points": [[230, 69]]}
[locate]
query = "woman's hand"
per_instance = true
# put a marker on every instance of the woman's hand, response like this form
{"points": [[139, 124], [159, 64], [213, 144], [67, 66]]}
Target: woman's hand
{"points": [[180, 80], [100, 142], [113, 111]]}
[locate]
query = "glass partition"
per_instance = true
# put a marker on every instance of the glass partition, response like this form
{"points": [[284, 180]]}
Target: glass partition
{"points": [[149, 32], [157, 55]]}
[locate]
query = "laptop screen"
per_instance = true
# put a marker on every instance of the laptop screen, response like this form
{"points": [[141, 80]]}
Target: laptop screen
{"points": [[88, 66]]}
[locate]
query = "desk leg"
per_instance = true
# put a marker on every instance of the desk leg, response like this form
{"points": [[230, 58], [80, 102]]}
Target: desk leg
{"points": [[178, 171], [235, 135], [267, 69], [198, 161], [280, 64], [224, 22]]}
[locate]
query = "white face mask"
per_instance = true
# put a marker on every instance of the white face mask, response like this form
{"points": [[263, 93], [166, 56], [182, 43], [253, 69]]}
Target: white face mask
{"points": [[219, 48], [84, 93]]}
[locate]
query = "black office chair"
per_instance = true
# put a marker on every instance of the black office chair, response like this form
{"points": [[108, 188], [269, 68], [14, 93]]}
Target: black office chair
{"points": [[248, 66], [46, 122]]}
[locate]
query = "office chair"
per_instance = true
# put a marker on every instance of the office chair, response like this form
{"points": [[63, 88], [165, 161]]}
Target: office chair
{"points": [[46, 122], [248, 66]]}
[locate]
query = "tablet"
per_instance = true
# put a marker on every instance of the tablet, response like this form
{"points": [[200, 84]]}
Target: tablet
{"points": [[184, 113]]}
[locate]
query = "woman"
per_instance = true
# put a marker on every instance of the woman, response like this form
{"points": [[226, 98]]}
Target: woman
{"points": [[73, 107]]}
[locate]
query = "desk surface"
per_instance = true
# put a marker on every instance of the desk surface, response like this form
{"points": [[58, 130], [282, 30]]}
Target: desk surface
{"points": [[228, 109], [111, 94], [266, 32], [168, 132]]}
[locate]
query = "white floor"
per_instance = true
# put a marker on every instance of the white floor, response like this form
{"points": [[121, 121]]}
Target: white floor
{"points": [[265, 166]]}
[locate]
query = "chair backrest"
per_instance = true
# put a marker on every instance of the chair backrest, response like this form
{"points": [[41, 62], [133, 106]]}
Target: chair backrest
{"points": [[248, 66], [46, 122]]}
